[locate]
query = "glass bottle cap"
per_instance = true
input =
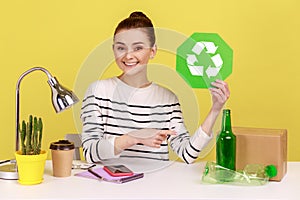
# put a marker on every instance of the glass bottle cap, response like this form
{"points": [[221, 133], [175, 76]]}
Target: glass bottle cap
{"points": [[271, 171]]}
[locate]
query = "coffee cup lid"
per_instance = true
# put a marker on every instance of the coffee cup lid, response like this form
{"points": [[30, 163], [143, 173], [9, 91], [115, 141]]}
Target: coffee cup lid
{"points": [[62, 145]]}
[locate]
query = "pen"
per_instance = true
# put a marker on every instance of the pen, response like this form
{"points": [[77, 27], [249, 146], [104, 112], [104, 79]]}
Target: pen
{"points": [[94, 173], [100, 177], [90, 166], [4, 161]]}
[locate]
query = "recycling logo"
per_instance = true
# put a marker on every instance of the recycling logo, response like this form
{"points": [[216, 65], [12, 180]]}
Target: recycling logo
{"points": [[203, 58]]}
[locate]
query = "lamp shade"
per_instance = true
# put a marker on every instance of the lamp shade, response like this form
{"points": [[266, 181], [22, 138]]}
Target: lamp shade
{"points": [[62, 98]]}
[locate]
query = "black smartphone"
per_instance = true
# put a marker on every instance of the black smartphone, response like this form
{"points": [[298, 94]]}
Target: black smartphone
{"points": [[117, 170]]}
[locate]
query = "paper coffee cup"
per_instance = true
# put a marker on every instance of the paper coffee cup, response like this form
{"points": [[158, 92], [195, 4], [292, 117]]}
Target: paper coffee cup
{"points": [[62, 153]]}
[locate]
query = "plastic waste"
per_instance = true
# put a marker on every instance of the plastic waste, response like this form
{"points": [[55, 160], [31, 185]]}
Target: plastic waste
{"points": [[252, 174]]}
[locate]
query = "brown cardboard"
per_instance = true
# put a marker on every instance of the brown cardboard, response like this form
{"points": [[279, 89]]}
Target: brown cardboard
{"points": [[261, 146]]}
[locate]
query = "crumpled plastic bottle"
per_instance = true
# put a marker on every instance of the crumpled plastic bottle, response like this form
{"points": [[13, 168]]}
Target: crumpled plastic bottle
{"points": [[252, 174]]}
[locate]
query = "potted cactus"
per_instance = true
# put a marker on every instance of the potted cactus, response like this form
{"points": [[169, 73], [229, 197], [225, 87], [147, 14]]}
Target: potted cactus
{"points": [[31, 159], [31, 136]]}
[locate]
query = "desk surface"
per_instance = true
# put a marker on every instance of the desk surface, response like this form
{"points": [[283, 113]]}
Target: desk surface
{"points": [[175, 181]]}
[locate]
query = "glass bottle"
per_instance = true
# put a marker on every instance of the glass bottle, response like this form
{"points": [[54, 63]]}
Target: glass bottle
{"points": [[226, 144]]}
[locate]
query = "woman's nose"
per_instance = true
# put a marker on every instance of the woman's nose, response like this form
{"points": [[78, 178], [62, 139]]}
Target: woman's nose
{"points": [[129, 54]]}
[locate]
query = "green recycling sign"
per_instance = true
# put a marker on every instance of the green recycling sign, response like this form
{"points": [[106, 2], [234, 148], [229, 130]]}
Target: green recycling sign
{"points": [[203, 58]]}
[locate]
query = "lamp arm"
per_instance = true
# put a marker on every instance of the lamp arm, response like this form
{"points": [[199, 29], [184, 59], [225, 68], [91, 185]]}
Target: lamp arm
{"points": [[18, 98], [31, 70]]}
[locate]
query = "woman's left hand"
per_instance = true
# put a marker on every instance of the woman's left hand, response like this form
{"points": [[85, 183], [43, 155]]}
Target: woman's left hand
{"points": [[220, 94]]}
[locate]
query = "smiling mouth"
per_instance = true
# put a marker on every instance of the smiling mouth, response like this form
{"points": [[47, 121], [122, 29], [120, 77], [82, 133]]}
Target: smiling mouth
{"points": [[130, 64]]}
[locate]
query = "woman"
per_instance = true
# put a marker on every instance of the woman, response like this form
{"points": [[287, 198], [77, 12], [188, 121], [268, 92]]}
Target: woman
{"points": [[130, 116]]}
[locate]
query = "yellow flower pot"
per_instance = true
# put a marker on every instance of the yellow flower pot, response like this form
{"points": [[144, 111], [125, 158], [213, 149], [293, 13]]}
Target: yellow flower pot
{"points": [[31, 167]]}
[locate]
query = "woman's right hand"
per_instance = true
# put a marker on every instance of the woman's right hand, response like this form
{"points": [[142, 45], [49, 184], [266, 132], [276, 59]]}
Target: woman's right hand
{"points": [[151, 137], [147, 137], [156, 139]]}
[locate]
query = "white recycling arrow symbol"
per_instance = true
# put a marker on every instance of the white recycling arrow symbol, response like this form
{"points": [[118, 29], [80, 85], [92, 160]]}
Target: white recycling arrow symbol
{"points": [[210, 49]]}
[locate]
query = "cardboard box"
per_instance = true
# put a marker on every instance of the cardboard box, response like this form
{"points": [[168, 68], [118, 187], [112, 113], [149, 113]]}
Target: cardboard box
{"points": [[261, 146]]}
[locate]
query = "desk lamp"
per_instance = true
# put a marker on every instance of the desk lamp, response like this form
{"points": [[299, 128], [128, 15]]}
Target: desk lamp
{"points": [[62, 99]]}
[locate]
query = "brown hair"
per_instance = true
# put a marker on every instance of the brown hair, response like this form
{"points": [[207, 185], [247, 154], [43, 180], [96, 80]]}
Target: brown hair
{"points": [[138, 20]]}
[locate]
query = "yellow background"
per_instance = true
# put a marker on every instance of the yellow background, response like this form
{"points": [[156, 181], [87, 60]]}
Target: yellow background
{"points": [[60, 35]]}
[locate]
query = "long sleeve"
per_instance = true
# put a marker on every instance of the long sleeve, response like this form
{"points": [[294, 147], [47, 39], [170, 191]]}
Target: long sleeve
{"points": [[96, 147], [185, 146]]}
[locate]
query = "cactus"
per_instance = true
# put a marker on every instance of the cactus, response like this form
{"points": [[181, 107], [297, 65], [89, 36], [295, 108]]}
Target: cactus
{"points": [[40, 127], [30, 131], [23, 136], [35, 135], [31, 136]]}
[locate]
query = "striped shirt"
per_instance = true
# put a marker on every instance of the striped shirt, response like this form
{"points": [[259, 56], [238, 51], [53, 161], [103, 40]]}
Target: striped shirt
{"points": [[112, 108]]}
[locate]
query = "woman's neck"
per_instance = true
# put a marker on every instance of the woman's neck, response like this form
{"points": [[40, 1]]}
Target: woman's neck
{"points": [[135, 81]]}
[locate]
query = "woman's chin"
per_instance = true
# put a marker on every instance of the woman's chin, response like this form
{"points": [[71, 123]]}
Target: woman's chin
{"points": [[133, 70]]}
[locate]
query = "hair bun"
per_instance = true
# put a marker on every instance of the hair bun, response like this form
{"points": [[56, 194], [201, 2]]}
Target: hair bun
{"points": [[138, 14]]}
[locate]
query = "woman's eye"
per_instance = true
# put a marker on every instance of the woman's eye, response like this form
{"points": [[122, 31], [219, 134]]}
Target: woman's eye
{"points": [[120, 48], [138, 48]]}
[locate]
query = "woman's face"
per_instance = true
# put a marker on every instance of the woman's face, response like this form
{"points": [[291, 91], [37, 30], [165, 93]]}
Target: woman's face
{"points": [[132, 50]]}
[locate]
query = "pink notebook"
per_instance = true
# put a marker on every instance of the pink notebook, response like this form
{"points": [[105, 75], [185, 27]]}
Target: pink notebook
{"points": [[100, 173]]}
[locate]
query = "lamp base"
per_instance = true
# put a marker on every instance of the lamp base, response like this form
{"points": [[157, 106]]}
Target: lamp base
{"points": [[9, 171]]}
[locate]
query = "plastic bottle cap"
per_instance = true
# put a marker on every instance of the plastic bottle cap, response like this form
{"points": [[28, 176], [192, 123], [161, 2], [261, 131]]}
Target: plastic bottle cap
{"points": [[62, 145], [271, 171]]}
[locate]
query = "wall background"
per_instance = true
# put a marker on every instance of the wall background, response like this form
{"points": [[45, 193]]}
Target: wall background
{"points": [[60, 35]]}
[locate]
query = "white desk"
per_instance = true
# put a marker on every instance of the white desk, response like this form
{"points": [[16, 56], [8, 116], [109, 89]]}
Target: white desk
{"points": [[177, 181]]}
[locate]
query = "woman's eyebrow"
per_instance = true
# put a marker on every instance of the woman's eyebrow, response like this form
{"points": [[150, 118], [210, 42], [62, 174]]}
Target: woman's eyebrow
{"points": [[135, 43], [120, 43]]}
